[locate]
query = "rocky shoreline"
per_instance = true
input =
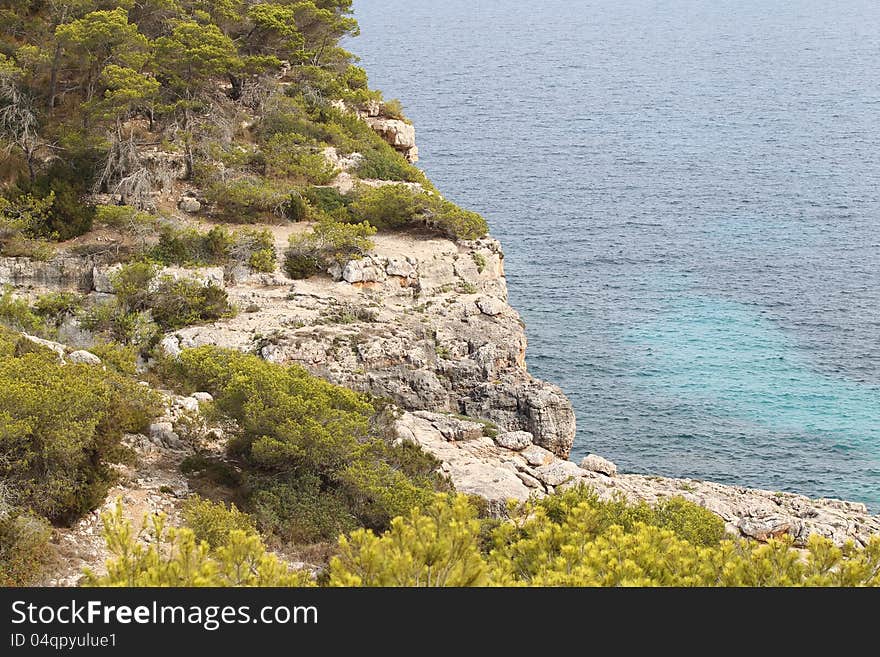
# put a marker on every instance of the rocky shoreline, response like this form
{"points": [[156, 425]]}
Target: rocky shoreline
{"points": [[425, 323]]}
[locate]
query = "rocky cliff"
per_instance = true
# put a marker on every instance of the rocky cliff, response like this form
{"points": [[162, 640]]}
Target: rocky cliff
{"points": [[424, 322]]}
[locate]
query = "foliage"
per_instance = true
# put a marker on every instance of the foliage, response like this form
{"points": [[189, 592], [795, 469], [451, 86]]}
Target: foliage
{"points": [[24, 545], [60, 426], [312, 465], [188, 246], [176, 303], [435, 547], [174, 557], [394, 207], [574, 539], [214, 522], [146, 304], [246, 199], [17, 314], [328, 243], [55, 307], [287, 157], [382, 162]]}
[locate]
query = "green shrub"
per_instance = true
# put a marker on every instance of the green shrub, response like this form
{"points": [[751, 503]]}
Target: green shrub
{"points": [[576, 540], [244, 200], [263, 260], [176, 303], [188, 246], [391, 207], [24, 546], [120, 358], [60, 426], [299, 510], [255, 248], [396, 207], [326, 199], [447, 218], [312, 466], [327, 243], [173, 557], [213, 522], [23, 218], [54, 307], [287, 157], [382, 162], [112, 321], [17, 314]]}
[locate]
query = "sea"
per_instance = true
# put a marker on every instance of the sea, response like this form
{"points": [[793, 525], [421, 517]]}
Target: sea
{"points": [[688, 196]]}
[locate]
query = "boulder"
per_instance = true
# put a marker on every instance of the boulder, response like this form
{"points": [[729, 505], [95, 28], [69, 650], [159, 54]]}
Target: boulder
{"points": [[83, 357], [559, 472], [491, 306], [595, 463], [48, 344], [189, 205], [515, 440], [170, 345], [365, 270], [163, 433], [537, 456], [203, 397]]}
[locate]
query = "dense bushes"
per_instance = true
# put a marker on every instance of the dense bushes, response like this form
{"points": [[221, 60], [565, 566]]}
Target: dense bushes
{"points": [[174, 557], [574, 539], [313, 467], [24, 546], [60, 424], [326, 244], [146, 303], [213, 522], [395, 207]]}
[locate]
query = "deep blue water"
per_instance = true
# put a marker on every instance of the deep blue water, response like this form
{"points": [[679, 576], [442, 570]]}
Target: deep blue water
{"points": [[688, 193]]}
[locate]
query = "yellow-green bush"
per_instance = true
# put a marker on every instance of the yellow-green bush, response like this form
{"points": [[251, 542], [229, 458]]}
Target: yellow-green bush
{"points": [[214, 522], [24, 546], [574, 539], [313, 465], [396, 207], [173, 557], [328, 243], [60, 426]]}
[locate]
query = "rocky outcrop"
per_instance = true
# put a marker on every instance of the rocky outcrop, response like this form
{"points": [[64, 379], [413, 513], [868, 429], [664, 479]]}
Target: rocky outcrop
{"points": [[501, 468], [400, 134], [62, 272], [422, 321]]}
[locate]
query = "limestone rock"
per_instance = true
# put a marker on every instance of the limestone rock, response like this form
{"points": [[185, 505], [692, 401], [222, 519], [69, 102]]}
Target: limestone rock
{"points": [[558, 472], [595, 463], [83, 357], [490, 306], [366, 270], [189, 204], [61, 273], [170, 345], [400, 134], [163, 433], [537, 456], [515, 440], [101, 278], [48, 344], [203, 397]]}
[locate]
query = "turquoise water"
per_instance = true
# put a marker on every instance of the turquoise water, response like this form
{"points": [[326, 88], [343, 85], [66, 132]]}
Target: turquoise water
{"points": [[688, 194]]}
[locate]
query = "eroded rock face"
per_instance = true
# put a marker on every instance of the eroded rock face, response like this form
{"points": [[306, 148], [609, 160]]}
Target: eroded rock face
{"points": [[68, 273], [400, 134], [491, 469], [423, 321]]}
